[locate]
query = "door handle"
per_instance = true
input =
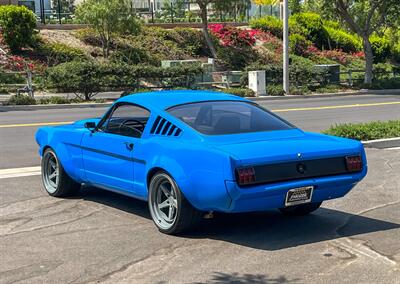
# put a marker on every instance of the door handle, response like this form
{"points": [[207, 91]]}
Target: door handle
{"points": [[129, 146]]}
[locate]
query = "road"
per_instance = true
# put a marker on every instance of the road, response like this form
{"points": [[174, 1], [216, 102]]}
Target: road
{"points": [[312, 114]]}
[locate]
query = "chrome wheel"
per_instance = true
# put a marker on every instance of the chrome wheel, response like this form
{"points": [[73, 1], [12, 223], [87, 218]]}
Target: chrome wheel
{"points": [[50, 172], [163, 201]]}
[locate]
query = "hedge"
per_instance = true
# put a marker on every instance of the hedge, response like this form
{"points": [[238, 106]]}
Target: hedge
{"points": [[18, 25], [340, 39], [268, 24], [89, 77], [366, 131]]}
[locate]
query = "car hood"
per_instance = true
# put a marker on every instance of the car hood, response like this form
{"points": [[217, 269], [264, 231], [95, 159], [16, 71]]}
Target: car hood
{"points": [[284, 146]]}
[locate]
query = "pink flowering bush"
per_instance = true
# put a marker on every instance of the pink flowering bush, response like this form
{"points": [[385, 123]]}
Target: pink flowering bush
{"points": [[231, 36]]}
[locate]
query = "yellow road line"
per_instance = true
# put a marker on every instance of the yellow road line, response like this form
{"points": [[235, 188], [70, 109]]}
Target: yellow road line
{"points": [[335, 107], [35, 124], [274, 110]]}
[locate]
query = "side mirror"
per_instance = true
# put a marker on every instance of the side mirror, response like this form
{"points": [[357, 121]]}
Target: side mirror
{"points": [[90, 125]]}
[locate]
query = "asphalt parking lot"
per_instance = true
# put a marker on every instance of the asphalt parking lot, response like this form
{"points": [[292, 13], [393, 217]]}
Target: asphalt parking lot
{"points": [[104, 237]]}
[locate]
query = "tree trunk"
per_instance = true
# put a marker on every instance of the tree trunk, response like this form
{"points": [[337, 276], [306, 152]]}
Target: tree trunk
{"points": [[369, 60], [207, 37]]}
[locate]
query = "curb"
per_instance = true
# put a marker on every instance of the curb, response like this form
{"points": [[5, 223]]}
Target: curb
{"points": [[49, 106], [330, 95], [265, 98], [382, 143]]}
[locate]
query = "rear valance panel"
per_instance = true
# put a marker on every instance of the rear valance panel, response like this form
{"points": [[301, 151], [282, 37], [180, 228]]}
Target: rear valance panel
{"points": [[299, 170]]}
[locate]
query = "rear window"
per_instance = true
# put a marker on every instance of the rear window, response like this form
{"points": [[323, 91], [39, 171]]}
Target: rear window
{"points": [[228, 117]]}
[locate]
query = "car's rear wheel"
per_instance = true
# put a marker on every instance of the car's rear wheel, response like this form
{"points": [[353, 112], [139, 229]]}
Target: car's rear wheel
{"points": [[169, 209], [55, 180], [300, 210]]}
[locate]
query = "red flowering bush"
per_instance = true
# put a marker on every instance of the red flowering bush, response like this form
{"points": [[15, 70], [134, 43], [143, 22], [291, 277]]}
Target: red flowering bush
{"points": [[231, 36], [17, 63], [337, 55], [359, 54]]}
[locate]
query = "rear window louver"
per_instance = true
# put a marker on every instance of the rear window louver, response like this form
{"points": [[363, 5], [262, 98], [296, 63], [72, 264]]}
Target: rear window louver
{"points": [[162, 126]]}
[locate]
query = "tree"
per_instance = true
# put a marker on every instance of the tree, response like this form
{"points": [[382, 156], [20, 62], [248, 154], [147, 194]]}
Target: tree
{"points": [[365, 17], [66, 6], [203, 4], [108, 18], [234, 8]]}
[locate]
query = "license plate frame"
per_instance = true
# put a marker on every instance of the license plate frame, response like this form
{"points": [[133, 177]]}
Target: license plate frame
{"points": [[299, 195]]}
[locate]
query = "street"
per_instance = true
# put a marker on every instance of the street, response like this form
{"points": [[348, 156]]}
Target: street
{"points": [[103, 237], [17, 128]]}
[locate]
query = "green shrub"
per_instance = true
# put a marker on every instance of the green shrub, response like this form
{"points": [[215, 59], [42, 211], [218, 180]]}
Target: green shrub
{"points": [[380, 48], [75, 76], [190, 40], [241, 92], [130, 55], [366, 131], [382, 71], [88, 36], [389, 83], [18, 24], [57, 100], [311, 26], [11, 78], [158, 46], [235, 58], [396, 52], [298, 44], [275, 90], [340, 39], [89, 78], [268, 24], [20, 100], [57, 53], [299, 91], [301, 73]]}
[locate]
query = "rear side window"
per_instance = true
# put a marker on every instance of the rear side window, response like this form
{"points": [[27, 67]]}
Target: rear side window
{"points": [[228, 117]]}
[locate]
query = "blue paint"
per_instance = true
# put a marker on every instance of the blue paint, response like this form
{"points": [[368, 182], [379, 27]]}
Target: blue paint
{"points": [[202, 165]]}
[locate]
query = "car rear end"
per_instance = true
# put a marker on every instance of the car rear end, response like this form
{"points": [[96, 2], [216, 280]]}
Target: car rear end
{"points": [[291, 168]]}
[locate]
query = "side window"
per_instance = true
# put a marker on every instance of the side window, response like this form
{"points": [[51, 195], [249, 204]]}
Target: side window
{"points": [[127, 120]]}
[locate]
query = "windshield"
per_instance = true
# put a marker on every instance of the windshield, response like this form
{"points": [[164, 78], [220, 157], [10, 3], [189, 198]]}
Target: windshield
{"points": [[228, 117]]}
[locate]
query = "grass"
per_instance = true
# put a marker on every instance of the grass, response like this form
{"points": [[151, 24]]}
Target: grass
{"points": [[366, 131]]}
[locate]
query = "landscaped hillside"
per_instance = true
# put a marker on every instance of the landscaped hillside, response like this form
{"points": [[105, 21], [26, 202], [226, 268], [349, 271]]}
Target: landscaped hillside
{"points": [[132, 59]]}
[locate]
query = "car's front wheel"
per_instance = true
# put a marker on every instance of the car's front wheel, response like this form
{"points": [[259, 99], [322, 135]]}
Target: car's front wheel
{"points": [[169, 209], [55, 180], [300, 210]]}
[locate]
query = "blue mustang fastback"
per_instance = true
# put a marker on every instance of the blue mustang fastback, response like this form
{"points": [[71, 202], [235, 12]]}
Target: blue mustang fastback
{"points": [[189, 153]]}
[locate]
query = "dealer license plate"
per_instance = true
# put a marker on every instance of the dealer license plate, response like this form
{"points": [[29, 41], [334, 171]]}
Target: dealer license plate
{"points": [[299, 195]]}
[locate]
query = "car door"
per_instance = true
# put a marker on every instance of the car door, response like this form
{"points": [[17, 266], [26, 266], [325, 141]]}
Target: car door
{"points": [[107, 151]]}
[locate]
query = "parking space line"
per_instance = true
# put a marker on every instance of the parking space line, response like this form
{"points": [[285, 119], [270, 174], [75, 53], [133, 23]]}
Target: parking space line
{"points": [[19, 172]]}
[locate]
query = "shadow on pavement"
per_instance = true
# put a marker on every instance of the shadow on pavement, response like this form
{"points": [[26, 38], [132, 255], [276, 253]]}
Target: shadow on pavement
{"points": [[268, 230], [219, 277]]}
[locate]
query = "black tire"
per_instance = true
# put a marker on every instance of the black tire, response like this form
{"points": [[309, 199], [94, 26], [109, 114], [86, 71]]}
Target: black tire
{"points": [[63, 186], [186, 216], [300, 210]]}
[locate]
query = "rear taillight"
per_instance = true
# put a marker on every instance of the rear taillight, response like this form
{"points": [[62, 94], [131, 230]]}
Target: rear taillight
{"points": [[354, 163], [246, 175]]}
